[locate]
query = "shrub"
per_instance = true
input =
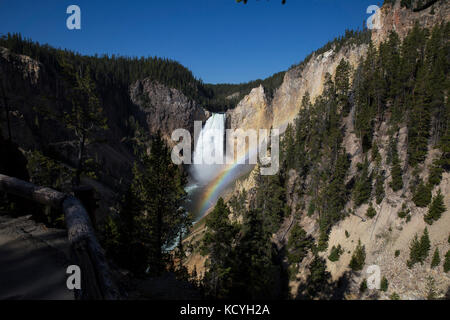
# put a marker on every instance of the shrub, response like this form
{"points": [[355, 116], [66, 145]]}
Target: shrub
{"points": [[347, 235], [335, 253], [371, 212], [384, 284], [363, 286], [395, 296], [397, 253], [422, 196], [358, 257]]}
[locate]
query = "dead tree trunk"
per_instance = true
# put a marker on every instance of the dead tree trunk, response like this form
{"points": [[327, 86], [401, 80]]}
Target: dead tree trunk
{"points": [[87, 253]]}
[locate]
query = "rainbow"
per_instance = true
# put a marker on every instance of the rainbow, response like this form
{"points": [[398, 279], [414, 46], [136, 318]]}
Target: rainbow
{"points": [[218, 185]]}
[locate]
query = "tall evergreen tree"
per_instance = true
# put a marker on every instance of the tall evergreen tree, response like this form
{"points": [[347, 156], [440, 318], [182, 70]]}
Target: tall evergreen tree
{"points": [[437, 207], [218, 244]]}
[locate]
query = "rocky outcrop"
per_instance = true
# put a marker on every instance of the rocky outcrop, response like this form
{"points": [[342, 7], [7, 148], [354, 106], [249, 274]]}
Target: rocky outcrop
{"points": [[252, 112], [27, 67], [310, 77], [165, 109], [401, 20]]}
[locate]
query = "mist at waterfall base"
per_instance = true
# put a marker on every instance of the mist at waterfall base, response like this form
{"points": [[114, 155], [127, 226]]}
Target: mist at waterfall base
{"points": [[207, 182]]}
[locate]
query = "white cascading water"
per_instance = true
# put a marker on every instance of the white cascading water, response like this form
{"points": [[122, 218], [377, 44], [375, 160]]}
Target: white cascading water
{"points": [[210, 143]]}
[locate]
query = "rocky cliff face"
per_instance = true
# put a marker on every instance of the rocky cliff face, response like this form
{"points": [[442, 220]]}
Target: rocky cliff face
{"points": [[165, 109], [387, 232], [310, 77], [401, 20]]}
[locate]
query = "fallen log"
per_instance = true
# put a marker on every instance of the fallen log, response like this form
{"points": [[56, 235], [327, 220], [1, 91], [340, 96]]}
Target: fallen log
{"points": [[96, 279]]}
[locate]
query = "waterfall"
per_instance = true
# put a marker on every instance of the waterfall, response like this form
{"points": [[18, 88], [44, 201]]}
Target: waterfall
{"points": [[209, 146]]}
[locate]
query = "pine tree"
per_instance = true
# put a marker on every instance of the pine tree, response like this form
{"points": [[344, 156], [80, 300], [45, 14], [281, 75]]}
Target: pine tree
{"points": [[379, 187], [396, 170], [317, 280], [422, 196], [271, 198], [425, 244], [86, 116], [436, 259], [363, 186], [342, 83], [435, 175], [437, 207], [218, 244], [358, 258], [447, 262], [298, 244], [255, 273], [419, 250]]}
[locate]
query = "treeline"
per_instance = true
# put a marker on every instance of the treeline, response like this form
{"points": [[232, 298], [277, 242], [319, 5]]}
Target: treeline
{"points": [[351, 37], [228, 95], [110, 71]]}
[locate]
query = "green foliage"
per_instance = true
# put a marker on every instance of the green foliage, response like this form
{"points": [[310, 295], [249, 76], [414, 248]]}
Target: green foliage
{"points": [[46, 172], [271, 198], [255, 271], [86, 117], [396, 170], [318, 279], [404, 212], [358, 258], [363, 286], [394, 296], [152, 217], [311, 208], [226, 96], [379, 187], [342, 83], [363, 185], [335, 253], [347, 235], [419, 249], [447, 262], [384, 284], [218, 244], [422, 196], [371, 212], [437, 207], [397, 253], [435, 175], [436, 259], [298, 244]]}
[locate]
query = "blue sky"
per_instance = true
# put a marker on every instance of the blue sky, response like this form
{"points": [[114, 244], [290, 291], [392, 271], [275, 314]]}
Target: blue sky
{"points": [[219, 40]]}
